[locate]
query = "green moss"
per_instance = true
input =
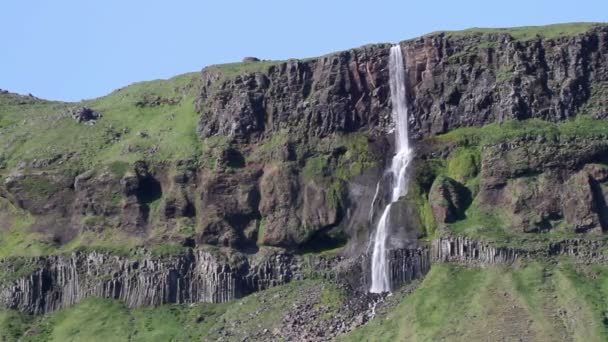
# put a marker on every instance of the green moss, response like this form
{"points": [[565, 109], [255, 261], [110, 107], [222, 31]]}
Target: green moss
{"points": [[92, 221], [357, 158], [39, 186], [580, 127], [503, 74], [484, 223], [336, 193], [17, 239], [109, 240], [261, 230], [167, 249], [119, 168], [464, 164], [19, 267], [315, 168], [187, 229], [420, 198], [211, 149]]}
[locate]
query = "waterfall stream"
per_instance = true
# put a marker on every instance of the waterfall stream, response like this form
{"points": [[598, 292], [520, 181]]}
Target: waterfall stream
{"points": [[398, 180]]}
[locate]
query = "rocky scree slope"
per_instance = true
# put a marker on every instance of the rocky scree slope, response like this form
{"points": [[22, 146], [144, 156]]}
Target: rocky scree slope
{"points": [[247, 157]]}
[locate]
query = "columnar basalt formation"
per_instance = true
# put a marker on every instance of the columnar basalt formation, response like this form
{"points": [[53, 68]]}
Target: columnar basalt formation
{"points": [[198, 276], [470, 251]]}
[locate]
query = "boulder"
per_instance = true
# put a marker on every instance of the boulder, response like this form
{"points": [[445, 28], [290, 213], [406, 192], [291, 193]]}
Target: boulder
{"points": [[448, 199], [84, 115]]}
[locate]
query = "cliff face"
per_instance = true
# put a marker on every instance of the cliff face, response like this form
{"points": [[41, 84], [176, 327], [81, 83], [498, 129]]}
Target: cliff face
{"points": [[472, 80], [341, 92], [456, 80]]}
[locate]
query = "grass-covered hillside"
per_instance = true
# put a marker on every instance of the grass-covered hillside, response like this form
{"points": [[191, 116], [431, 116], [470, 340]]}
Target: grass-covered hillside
{"points": [[536, 301], [137, 121]]}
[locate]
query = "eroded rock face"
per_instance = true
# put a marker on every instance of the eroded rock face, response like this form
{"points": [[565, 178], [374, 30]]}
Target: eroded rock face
{"points": [[56, 282], [293, 210], [584, 206], [447, 198], [472, 252], [453, 81]]}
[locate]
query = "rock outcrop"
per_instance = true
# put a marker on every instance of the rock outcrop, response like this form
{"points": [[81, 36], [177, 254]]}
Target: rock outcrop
{"points": [[84, 115], [447, 198], [341, 92], [474, 79]]}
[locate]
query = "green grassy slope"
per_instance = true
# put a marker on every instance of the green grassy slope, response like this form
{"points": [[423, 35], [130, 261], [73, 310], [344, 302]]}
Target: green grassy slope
{"points": [[536, 302], [39, 130]]}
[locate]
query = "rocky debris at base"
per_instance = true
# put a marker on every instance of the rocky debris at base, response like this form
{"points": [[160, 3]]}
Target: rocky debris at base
{"points": [[311, 319]]}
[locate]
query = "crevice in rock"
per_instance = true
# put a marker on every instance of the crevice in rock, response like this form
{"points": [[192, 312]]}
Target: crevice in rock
{"points": [[599, 203]]}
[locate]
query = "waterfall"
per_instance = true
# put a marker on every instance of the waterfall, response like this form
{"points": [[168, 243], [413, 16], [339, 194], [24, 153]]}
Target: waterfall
{"points": [[397, 170]]}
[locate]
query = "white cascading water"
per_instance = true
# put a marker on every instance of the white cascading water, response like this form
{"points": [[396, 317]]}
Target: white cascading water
{"points": [[402, 158]]}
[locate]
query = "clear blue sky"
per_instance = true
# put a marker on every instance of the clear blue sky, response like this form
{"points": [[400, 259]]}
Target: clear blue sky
{"points": [[75, 49]]}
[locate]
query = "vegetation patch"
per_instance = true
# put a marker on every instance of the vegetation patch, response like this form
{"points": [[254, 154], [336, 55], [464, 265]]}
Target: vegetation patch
{"points": [[119, 168], [357, 157], [315, 168], [580, 127], [39, 186]]}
